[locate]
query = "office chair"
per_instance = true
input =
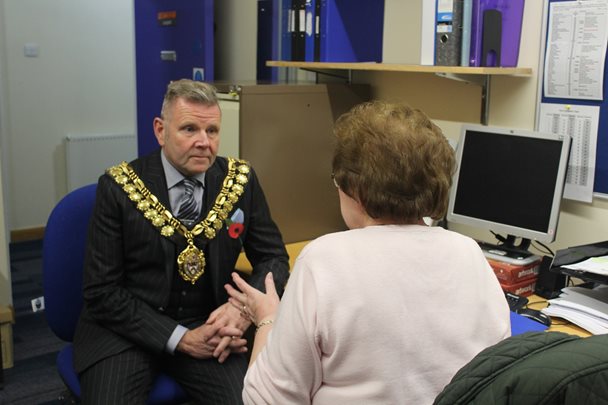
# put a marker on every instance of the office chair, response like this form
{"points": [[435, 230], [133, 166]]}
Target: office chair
{"points": [[62, 264]]}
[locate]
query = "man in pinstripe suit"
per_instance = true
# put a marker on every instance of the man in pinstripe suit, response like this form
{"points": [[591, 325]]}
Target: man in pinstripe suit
{"points": [[153, 285]]}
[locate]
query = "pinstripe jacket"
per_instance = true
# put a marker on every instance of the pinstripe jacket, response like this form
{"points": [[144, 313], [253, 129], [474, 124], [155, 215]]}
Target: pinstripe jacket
{"points": [[129, 265]]}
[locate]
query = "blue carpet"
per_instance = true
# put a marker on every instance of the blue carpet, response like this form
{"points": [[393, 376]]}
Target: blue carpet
{"points": [[33, 379]]}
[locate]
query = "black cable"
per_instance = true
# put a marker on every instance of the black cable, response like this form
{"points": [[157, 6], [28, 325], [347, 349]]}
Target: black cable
{"points": [[547, 248], [500, 238]]}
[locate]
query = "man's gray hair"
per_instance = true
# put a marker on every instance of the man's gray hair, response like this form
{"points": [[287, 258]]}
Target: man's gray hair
{"points": [[190, 90]]}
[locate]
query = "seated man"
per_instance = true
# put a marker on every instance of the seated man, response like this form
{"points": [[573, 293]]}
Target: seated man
{"points": [[166, 232]]}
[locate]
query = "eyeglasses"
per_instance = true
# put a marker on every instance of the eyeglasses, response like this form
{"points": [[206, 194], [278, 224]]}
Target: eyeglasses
{"points": [[333, 178]]}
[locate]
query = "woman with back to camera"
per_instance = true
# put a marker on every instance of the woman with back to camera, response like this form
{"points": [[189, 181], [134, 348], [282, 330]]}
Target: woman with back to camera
{"points": [[387, 311]]}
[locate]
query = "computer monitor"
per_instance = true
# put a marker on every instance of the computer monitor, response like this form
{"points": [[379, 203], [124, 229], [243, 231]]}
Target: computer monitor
{"points": [[509, 181]]}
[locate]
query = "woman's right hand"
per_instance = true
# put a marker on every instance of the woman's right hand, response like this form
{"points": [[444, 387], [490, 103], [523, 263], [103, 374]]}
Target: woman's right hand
{"points": [[253, 303]]}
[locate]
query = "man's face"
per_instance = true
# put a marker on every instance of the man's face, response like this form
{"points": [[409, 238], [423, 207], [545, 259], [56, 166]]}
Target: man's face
{"points": [[189, 136]]}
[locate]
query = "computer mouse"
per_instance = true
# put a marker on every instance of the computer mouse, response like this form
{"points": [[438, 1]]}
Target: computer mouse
{"points": [[536, 315]]}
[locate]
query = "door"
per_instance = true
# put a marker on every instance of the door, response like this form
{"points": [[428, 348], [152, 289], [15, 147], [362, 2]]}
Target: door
{"points": [[173, 40]]}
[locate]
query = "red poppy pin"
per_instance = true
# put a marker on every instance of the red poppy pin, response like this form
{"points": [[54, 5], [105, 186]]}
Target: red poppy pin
{"points": [[235, 224]]}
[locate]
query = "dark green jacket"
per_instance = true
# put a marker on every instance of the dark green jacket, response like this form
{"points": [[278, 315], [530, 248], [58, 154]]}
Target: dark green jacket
{"points": [[534, 368]]}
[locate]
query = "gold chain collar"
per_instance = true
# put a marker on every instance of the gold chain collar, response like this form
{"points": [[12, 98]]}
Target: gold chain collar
{"points": [[191, 261]]}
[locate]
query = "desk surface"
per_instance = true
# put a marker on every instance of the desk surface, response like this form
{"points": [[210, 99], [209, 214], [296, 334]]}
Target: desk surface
{"points": [[293, 250], [558, 324]]}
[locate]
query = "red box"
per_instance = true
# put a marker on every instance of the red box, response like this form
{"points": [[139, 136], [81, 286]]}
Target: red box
{"points": [[509, 273], [523, 288]]}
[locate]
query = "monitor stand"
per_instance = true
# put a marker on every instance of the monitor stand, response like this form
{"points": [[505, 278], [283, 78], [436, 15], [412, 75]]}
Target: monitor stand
{"points": [[508, 252]]}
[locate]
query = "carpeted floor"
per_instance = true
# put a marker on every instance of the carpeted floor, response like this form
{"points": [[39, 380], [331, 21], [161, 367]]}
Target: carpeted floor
{"points": [[33, 379]]}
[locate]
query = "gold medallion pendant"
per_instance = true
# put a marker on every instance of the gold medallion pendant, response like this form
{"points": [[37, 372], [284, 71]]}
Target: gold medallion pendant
{"points": [[191, 263]]}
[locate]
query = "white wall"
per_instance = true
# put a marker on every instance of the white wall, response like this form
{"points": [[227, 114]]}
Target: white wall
{"points": [[6, 294], [401, 35], [236, 40], [5, 274], [83, 81]]}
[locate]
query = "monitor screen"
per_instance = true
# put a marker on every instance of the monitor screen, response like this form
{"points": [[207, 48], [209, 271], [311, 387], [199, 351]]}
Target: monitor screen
{"points": [[509, 181]]}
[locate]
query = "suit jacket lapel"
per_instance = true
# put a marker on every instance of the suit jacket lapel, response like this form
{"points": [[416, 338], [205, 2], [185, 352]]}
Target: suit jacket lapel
{"points": [[153, 176], [214, 180], [213, 183]]}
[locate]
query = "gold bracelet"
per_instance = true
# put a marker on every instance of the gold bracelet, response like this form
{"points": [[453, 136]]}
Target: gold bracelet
{"points": [[263, 323]]}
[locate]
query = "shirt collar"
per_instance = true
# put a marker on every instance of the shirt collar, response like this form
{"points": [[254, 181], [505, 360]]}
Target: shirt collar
{"points": [[174, 176]]}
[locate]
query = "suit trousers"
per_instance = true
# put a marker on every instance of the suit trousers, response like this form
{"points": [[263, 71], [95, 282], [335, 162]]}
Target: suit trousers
{"points": [[126, 378]]}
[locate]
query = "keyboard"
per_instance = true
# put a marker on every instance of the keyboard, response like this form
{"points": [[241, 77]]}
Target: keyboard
{"points": [[516, 302]]}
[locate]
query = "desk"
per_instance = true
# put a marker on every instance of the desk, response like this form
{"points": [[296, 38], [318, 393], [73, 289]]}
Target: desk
{"points": [[558, 324]]}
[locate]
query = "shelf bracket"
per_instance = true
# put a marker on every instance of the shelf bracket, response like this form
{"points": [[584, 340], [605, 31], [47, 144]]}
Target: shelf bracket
{"points": [[481, 80]]}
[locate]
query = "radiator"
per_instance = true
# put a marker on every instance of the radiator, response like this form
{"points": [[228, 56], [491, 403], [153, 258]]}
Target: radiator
{"points": [[87, 156]]}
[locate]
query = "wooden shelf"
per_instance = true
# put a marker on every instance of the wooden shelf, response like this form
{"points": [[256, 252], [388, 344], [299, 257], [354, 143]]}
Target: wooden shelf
{"points": [[479, 75], [395, 67]]}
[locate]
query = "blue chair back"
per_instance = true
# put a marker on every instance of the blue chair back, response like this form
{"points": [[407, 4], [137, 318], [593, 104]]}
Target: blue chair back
{"points": [[63, 252]]}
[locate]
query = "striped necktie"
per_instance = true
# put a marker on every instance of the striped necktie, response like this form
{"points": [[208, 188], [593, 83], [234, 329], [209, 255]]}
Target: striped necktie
{"points": [[188, 208]]}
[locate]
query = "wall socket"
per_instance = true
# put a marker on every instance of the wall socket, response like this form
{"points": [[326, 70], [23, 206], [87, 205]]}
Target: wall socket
{"points": [[38, 304], [31, 50]]}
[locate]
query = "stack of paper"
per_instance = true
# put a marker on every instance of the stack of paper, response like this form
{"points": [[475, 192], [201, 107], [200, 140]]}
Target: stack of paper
{"points": [[597, 265], [587, 308]]}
